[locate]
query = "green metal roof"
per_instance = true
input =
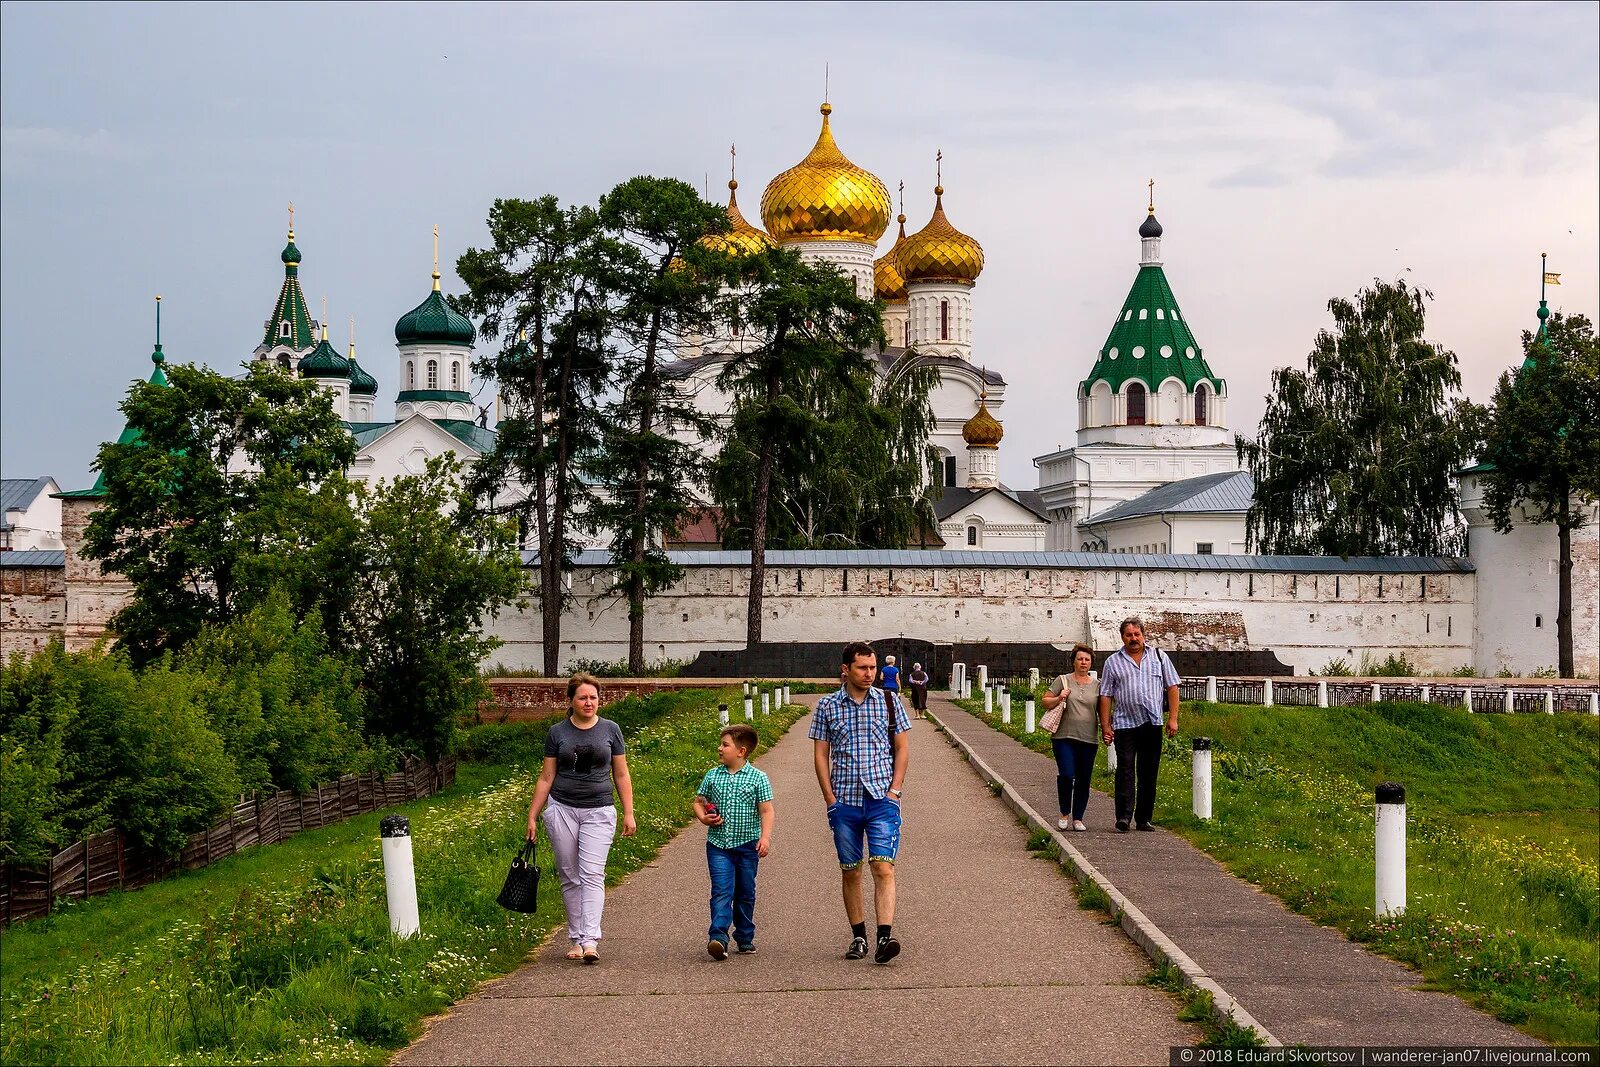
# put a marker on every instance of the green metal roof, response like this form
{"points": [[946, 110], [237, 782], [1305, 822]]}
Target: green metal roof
{"points": [[434, 322], [468, 433], [129, 435], [324, 361], [291, 307], [1150, 341]]}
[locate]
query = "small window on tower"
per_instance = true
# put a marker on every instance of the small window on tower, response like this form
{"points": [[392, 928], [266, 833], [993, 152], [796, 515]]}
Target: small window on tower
{"points": [[433, 374], [1135, 404], [905, 328], [1200, 405], [411, 374], [944, 320], [455, 375], [972, 536], [950, 471], [284, 329]]}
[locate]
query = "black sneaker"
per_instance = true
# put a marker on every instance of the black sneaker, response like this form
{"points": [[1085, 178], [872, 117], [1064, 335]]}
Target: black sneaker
{"points": [[1147, 827], [745, 950], [717, 949], [857, 949], [1122, 826], [888, 949]]}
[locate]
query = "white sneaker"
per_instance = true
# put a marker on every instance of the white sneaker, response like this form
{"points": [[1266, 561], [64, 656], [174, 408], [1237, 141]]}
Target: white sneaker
{"points": [[1077, 824], [1063, 823]]}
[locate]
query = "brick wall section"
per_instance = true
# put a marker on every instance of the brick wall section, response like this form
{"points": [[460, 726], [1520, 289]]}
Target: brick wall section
{"points": [[92, 595], [33, 608]]}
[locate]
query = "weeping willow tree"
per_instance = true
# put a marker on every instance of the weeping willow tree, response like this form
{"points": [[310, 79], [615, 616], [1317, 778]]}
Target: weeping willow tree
{"points": [[1356, 453]]}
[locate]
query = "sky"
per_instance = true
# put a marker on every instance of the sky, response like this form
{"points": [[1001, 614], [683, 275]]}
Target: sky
{"points": [[1299, 152]]}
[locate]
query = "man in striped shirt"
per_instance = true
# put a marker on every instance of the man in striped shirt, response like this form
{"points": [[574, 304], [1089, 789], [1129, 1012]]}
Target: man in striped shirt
{"points": [[1139, 682]]}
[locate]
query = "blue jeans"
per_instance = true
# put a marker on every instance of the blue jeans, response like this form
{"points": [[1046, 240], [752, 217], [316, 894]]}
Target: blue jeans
{"points": [[1074, 769], [733, 891], [876, 823]]}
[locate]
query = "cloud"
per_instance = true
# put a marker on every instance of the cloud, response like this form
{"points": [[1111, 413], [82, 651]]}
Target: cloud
{"points": [[33, 148]]}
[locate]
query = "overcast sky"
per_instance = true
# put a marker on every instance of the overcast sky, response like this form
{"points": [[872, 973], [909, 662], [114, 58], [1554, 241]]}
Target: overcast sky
{"points": [[1298, 152]]}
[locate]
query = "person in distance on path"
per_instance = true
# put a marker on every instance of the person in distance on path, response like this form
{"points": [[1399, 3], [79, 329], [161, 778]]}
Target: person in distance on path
{"points": [[918, 679], [1140, 682], [862, 747]]}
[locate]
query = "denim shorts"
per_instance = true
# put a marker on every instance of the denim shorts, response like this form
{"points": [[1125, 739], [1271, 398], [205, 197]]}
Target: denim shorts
{"points": [[877, 822]]}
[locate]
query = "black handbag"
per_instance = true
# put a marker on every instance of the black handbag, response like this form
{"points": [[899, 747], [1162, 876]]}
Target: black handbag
{"points": [[521, 891]]}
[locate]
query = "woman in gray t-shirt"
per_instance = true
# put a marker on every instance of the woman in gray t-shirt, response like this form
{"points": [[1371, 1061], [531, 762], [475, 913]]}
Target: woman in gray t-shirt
{"points": [[584, 762], [1076, 740]]}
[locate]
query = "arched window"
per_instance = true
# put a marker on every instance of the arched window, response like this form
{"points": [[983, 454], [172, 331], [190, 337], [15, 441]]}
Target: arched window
{"points": [[972, 536], [455, 375], [1135, 404], [284, 329], [1200, 404], [944, 320], [950, 471], [433, 374], [906, 329], [411, 374]]}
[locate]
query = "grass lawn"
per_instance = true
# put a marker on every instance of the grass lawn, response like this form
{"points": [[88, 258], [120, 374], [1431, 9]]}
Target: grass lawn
{"points": [[1503, 903], [283, 954]]}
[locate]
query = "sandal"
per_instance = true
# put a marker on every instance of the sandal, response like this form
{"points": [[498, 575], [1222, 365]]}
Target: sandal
{"points": [[591, 954], [575, 953]]}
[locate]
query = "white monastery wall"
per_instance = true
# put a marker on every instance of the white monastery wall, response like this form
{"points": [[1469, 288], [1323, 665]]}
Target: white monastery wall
{"points": [[1307, 619]]}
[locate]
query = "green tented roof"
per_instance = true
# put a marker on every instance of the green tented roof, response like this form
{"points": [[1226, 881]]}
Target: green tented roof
{"points": [[1151, 341], [291, 307], [128, 435], [434, 322]]}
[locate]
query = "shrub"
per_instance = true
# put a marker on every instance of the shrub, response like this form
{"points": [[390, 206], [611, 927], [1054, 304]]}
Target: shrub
{"points": [[1335, 668], [1393, 666]]}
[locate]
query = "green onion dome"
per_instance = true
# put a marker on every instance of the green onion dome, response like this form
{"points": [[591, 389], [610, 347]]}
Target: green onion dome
{"points": [[434, 322], [324, 361], [361, 383]]}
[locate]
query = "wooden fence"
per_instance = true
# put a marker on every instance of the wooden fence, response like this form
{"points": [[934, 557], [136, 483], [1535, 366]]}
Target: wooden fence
{"points": [[110, 860]]}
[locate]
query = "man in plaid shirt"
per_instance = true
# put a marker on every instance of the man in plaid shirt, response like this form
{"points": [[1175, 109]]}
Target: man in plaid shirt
{"points": [[862, 748], [1141, 684]]}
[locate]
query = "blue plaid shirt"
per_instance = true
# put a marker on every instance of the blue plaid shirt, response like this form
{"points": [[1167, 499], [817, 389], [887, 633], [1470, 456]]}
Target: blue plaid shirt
{"points": [[1138, 691], [861, 752]]}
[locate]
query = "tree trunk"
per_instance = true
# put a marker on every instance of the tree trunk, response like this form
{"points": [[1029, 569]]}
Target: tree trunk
{"points": [[758, 520], [1564, 664], [641, 473], [549, 558]]}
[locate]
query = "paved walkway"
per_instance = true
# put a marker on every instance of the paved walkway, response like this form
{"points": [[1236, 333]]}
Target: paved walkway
{"points": [[1305, 983], [999, 963]]}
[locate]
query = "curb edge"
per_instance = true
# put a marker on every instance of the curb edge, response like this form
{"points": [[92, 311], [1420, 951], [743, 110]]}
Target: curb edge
{"points": [[1138, 926]]}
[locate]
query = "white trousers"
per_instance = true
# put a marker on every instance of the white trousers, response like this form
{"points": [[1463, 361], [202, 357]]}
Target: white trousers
{"points": [[580, 840]]}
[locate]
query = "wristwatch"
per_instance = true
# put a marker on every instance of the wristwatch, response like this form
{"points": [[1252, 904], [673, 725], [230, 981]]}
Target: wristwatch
{"points": [[896, 793]]}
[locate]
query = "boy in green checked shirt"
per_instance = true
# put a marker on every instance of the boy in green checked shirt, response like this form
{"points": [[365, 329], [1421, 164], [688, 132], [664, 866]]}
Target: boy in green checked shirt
{"points": [[735, 801]]}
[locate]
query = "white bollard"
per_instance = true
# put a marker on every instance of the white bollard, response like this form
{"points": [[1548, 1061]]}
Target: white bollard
{"points": [[958, 675], [1033, 677], [1391, 849], [747, 689], [766, 703], [983, 676], [1322, 694], [1594, 703], [1202, 778], [1266, 692], [1511, 706], [1005, 707], [1549, 701], [988, 701], [786, 700], [722, 714], [1377, 693], [1427, 694], [399, 875], [1466, 699], [749, 709], [1211, 688], [1028, 720]]}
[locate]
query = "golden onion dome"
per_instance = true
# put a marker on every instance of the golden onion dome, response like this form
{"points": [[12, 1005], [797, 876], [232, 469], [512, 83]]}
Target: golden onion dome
{"points": [[741, 238], [983, 430], [939, 252], [886, 280], [825, 197]]}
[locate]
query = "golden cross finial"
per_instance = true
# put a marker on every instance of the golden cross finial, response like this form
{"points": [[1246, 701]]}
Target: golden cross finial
{"points": [[352, 335], [938, 167], [733, 162], [1152, 196], [902, 196], [436, 259], [825, 77], [291, 216], [324, 318]]}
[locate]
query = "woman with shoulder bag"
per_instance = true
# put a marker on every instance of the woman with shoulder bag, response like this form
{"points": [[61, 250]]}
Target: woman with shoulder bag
{"points": [[1072, 720], [583, 764]]}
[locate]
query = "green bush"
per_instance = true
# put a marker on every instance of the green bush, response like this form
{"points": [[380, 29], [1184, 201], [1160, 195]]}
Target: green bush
{"points": [[1392, 666]]}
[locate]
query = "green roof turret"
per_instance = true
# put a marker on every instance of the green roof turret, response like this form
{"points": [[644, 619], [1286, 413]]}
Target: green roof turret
{"points": [[324, 361], [361, 383], [434, 321], [290, 322], [1150, 341], [129, 435]]}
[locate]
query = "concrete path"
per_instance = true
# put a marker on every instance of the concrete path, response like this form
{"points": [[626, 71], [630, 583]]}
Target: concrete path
{"points": [[999, 964], [1307, 984]]}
